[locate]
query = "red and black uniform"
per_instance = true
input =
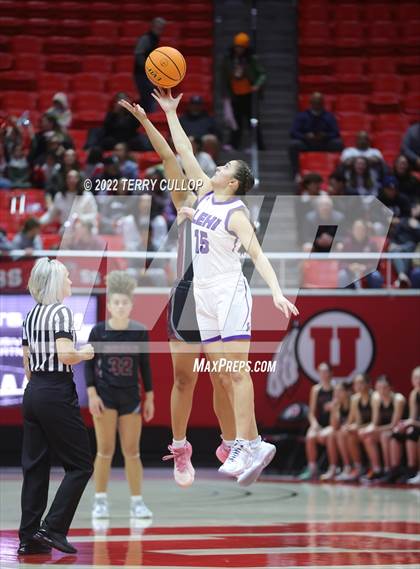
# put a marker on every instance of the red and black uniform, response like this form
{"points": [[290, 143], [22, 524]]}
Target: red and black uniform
{"points": [[365, 410], [322, 414], [121, 357]]}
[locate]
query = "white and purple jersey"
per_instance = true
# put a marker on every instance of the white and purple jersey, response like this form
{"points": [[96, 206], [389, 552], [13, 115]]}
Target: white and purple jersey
{"points": [[215, 248]]}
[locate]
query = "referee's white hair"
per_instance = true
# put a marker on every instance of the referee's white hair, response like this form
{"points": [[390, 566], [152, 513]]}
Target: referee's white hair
{"points": [[46, 283]]}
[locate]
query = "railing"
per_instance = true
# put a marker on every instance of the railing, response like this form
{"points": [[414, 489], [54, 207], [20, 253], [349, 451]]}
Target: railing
{"points": [[278, 259]]}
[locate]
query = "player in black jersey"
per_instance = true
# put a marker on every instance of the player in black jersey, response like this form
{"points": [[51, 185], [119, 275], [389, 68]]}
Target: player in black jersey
{"points": [[320, 403], [340, 409], [407, 433], [112, 379], [348, 438], [387, 411], [183, 332]]}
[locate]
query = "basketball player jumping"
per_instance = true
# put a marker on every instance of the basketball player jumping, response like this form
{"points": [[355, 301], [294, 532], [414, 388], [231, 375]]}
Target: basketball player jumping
{"points": [[184, 336], [220, 225]]}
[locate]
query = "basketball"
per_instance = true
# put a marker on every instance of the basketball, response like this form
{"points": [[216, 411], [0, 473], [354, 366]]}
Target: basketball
{"points": [[165, 67]]}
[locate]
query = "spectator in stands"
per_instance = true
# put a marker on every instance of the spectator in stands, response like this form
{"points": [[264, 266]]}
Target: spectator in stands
{"points": [[387, 411], [407, 433], [310, 187], [119, 126], [5, 183], [71, 204], [320, 226], [5, 244], [44, 173], [148, 211], [408, 184], [410, 146], [320, 405], [406, 239], [128, 167], [18, 169], [390, 196], [205, 160], [81, 237], [49, 130], [352, 272], [161, 201], [29, 237], [58, 176], [211, 145], [145, 45], [361, 179], [94, 166], [196, 121], [362, 148], [114, 206], [60, 109], [242, 75], [313, 130], [111, 169]]}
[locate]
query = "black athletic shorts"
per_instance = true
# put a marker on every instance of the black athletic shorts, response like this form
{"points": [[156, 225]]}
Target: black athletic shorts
{"points": [[182, 318], [411, 434], [125, 400]]}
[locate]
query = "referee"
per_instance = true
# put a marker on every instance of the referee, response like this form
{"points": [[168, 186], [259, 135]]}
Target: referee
{"points": [[51, 413]]}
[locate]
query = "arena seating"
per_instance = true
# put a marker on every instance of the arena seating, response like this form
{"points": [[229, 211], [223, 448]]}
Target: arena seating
{"points": [[86, 50], [355, 53]]}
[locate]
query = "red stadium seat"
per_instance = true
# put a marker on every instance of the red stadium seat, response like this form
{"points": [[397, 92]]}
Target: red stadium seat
{"points": [[385, 122], [198, 28], [61, 45], [103, 10], [87, 119], [413, 84], [19, 101], [38, 9], [320, 274], [311, 83], [390, 140], [379, 65], [109, 28], [195, 46], [97, 64], [74, 28], [53, 81], [88, 82], [6, 61], [11, 9], [313, 11], [353, 31], [62, 63], [78, 137], [346, 12], [407, 11], [384, 103], [313, 32], [316, 66], [11, 26], [322, 162], [71, 10], [98, 46], [134, 10], [353, 121], [147, 160], [124, 64], [39, 26], [352, 83], [352, 65], [17, 80], [378, 12], [134, 28], [197, 11], [29, 62], [91, 101], [389, 83], [382, 33], [351, 103], [27, 44], [412, 103], [197, 64], [121, 82], [408, 64]]}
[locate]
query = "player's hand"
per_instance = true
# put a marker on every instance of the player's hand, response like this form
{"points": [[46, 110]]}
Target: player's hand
{"points": [[134, 109], [185, 212], [96, 405], [285, 305], [87, 352], [149, 407], [165, 99]]}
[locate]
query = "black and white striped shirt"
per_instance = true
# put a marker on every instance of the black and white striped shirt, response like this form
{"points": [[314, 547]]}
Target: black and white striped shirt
{"points": [[43, 325]]}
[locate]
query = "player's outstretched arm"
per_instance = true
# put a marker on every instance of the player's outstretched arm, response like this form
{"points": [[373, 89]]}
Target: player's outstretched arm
{"points": [[181, 141], [180, 196], [241, 226]]}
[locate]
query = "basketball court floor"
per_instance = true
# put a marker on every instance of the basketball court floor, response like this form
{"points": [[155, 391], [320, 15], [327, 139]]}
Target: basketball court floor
{"points": [[216, 523]]}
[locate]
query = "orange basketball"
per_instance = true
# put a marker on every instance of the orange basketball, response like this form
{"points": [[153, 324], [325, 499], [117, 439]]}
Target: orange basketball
{"points": [[165, 67]]}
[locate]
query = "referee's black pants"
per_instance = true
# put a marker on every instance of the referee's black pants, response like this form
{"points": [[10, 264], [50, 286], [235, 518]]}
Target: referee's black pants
{"points": [[52, 423]]}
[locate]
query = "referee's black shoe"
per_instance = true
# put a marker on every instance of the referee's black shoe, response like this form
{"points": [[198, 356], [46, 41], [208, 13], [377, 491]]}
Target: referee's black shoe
{"points": [[56, 540], [32, 547]]}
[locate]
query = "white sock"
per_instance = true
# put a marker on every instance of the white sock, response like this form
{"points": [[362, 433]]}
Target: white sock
{"points": [[101, 495], [138, 498], [256, 442], [242, 441], [312, 466], [179, 444], [228, 443]]}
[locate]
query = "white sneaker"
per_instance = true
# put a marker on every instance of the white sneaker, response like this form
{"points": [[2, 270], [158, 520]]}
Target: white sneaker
{"points": [[139, 509], [100, 509], [239, 459], [415, 479], [263, 454]]}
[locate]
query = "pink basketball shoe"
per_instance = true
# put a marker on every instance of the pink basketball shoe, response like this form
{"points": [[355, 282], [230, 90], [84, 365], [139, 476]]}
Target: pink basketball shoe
{"points": [[223, 451], [183, 469]]}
